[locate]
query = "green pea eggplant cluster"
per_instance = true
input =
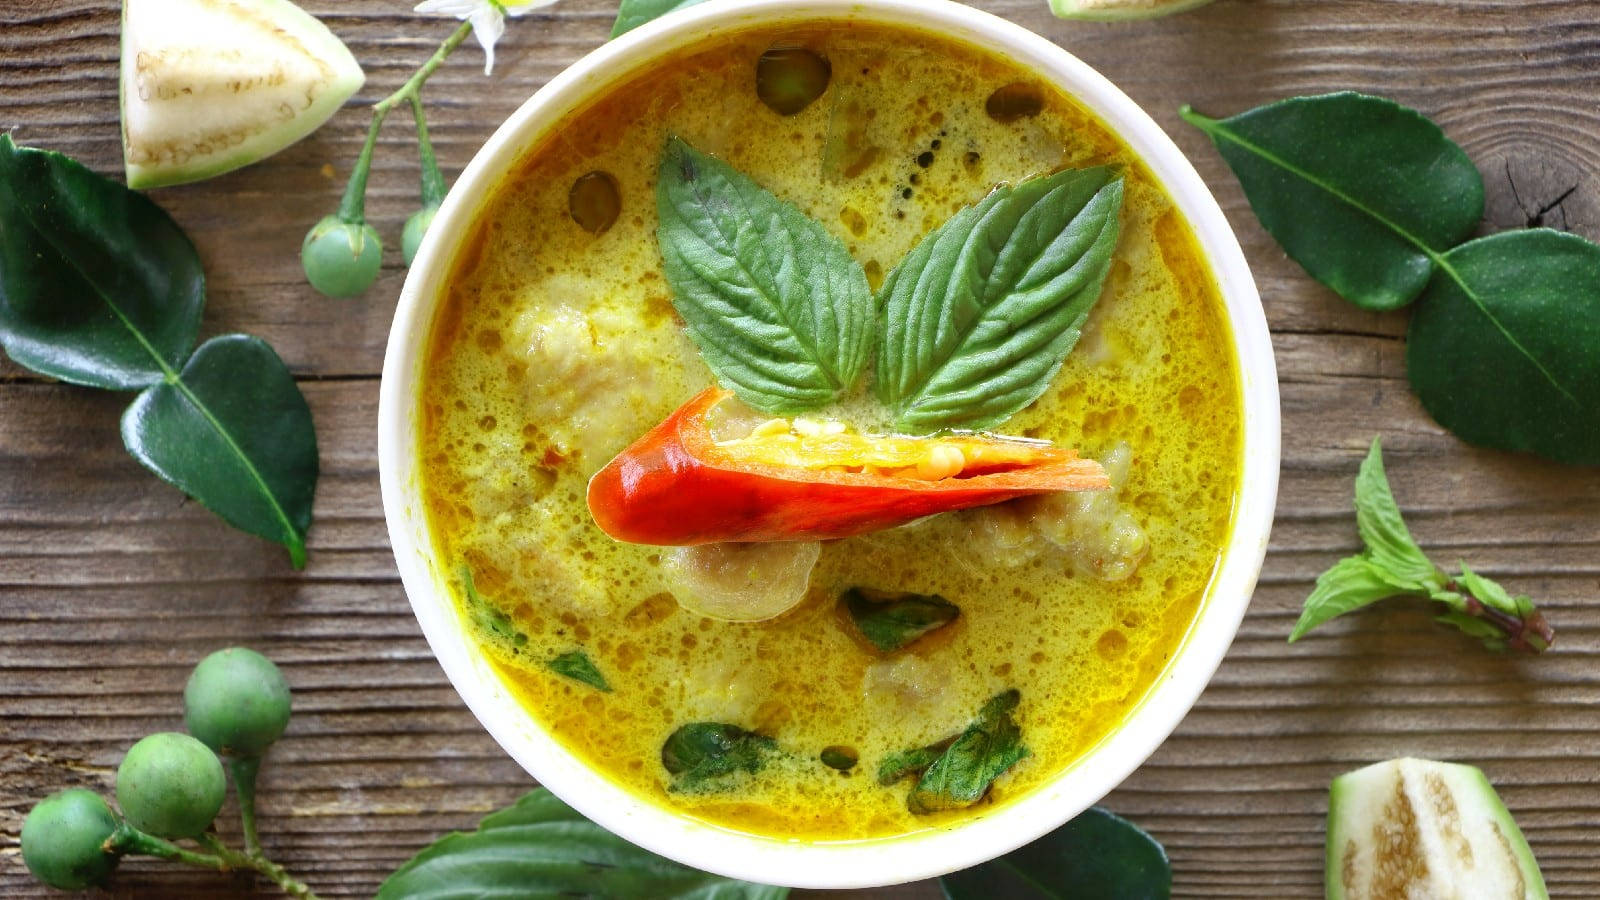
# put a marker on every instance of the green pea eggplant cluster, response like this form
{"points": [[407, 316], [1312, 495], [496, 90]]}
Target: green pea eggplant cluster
{"points": [[170, 785]]}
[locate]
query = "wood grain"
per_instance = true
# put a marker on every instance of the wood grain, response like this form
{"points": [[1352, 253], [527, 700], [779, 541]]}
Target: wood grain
{"points": [[112, 585]]}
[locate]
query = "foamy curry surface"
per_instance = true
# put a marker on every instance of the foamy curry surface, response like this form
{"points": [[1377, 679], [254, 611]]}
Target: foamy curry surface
{"points": [[554, 348]]}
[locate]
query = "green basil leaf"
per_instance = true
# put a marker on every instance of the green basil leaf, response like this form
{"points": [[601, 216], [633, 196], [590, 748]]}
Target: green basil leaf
{"points": [[704, 751], [633, 13], [492, 622], [233, 431], [892, 622], [541, 847], [575, 664], [780, 311], [1490, 593], [1473, 627], [905, 763], [1360, 191], [1504, 347], [1352, 583], [1389, 543], [959, 778], [1096, 856], [98, 286], [979, 316]]}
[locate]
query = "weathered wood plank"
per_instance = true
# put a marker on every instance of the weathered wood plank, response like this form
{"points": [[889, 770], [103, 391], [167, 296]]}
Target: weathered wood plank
{"points": [[111, 585]]}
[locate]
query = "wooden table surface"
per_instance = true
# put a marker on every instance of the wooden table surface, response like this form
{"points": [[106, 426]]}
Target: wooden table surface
{"points": [[112, 585]]}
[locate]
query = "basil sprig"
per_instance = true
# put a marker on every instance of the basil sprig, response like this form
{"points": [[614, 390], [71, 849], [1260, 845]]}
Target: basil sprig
{"points": [[99, 287], [540, 847], [979, 316], [1392, 565], [970, 328], [1375, 202], [779, 310]]}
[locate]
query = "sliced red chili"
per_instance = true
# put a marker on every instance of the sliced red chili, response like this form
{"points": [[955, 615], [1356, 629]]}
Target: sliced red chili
{"points": [[678, 486]]}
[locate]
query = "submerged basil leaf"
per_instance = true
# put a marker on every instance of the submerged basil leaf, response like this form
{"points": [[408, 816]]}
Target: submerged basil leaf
{"points": [[893, 621], [990, 745], [960, 771], [234, 432], [1504, 346], [540, 847], [780, 311], [1361, 191], [906, 763], [1096, 856], [489, 619], [703, 751], [633, 13], [575, 664], [98, 286], [978, 318]]}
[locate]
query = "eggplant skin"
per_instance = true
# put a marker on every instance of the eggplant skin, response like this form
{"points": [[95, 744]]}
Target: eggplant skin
{"points": [[1419, 828], [209, 86], [1120, 10]]}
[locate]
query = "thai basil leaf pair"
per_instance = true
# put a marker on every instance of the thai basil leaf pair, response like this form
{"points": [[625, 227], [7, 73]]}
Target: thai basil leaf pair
{"points": [[1392, 565], [1376, 203], [99, 287], [969, 329]]}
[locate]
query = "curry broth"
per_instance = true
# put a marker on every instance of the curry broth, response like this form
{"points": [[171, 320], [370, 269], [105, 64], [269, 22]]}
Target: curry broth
{"points": [[555, 347]]}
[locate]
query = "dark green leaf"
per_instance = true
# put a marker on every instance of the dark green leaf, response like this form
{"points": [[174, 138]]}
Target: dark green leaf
{"points": [[906, 763], [959, 778], [842, 758], [542, 848], [978, 318], [233, 432], [1352, 583], [1362, 192], [704, 751], [490, 620], [1389, 543], [633, 13], [575, 664], [1096, 856], [892, 622], [1504, 347], [98, 286], [780, 311]]}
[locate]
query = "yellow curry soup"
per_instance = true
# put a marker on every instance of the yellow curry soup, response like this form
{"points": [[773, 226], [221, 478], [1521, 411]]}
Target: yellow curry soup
{"points": [[556, 347]]}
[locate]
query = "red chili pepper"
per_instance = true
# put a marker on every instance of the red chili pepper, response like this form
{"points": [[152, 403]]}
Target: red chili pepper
{"points": [[677, 485]]}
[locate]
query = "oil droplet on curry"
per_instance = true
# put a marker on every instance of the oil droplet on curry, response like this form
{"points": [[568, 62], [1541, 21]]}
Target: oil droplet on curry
{"points": [[557, 345]]}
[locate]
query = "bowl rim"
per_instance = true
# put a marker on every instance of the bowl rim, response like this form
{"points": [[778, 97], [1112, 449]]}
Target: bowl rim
{"points": [[870, 862]]}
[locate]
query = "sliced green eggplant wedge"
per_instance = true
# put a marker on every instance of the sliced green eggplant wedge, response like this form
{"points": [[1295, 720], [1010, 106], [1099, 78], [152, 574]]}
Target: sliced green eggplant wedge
{"points": [[1118, 10], [1415, 828], [209, 86]]}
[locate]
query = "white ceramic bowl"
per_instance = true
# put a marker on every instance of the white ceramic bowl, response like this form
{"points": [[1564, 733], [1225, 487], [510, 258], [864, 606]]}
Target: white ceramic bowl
{"points": [[795, 862]]}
